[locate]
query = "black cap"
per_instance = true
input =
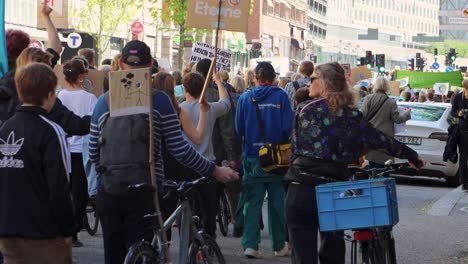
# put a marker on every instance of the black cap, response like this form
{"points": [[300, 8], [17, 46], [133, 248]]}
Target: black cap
{"points": [[136, 53]]}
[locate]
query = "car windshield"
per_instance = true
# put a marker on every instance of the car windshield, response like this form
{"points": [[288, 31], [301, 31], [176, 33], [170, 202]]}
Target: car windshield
{"points": [[425, 112]]}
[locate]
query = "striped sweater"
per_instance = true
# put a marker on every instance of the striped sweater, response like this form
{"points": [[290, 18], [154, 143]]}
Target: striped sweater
{"points": [[166, 126]]}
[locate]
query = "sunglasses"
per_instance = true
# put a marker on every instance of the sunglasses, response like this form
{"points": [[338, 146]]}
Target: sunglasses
{"points": [[312, 79]]}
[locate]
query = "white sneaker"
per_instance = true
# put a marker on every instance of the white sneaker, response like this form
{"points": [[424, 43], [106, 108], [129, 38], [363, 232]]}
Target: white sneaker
{"points": [[284, 252], [252, 253]]}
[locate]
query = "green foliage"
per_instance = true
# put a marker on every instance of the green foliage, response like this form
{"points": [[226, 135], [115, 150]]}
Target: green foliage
{"points": [[102, 18], [176, 11], [443, 47]]}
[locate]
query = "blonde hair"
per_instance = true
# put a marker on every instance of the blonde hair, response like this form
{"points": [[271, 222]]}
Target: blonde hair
{"points": [[239, 84], [32, 54], [282, 83], [381, 85], [249, 78], [335, 87], [115, 63]]}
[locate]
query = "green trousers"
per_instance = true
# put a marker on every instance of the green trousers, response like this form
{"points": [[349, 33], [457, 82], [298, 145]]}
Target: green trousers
{"points": [[254, 194]]}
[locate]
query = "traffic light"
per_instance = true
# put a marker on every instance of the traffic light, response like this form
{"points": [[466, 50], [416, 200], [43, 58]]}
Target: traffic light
{"points": [[313, 58], [380, 62], [453, 55], [436, 53], [447, 59], [369, 59], [420, 62], [361, 61], [411, 63]]}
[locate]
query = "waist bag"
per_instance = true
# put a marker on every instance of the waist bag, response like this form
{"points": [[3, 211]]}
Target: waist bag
{"points": [[274, 157]]}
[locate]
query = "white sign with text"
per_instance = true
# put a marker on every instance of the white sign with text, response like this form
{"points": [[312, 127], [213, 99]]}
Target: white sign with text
{"points": [[206, 51]]}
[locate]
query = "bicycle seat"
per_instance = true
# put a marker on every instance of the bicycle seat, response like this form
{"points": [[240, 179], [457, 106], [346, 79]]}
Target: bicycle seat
{"points": [[142, 187]]}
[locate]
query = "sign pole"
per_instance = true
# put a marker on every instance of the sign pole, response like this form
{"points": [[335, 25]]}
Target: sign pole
{"points": [[213, 62]]}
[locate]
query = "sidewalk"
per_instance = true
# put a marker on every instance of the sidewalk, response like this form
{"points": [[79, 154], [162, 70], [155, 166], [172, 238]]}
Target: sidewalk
{"points": [[452, 203]]}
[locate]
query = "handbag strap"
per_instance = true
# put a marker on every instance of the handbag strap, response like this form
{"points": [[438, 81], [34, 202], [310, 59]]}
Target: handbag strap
{"points": [[259, 119], [376, 110], [310, 103]]}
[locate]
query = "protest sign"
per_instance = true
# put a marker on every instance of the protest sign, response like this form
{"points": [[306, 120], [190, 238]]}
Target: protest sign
{"points": [[441, 88], [206, 51], [93, 82], [56, 5], [129, 92], [204, 14], [360, 73]]}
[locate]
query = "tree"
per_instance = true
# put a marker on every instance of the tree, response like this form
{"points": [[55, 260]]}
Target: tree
{"points": [[443, 47], [102, 18], [176, 11]]}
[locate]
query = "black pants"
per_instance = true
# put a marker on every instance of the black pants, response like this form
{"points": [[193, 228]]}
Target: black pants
{"points": [[79, 188], [206, 205], [463, 166], [122, 222], [303, 226]]}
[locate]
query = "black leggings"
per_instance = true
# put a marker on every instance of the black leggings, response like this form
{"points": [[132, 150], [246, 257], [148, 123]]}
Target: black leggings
{"points": [[303, 226], [79, 187]]}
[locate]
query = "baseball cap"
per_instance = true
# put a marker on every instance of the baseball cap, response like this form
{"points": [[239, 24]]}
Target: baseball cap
{"points": [[136, 53]]}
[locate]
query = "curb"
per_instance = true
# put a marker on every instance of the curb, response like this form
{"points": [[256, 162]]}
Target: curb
{"points": [[445, 204]]}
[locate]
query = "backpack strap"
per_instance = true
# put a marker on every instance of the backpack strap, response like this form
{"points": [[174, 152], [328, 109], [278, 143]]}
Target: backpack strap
{"points": [[375, 110], [296, 85], [259, 119]]}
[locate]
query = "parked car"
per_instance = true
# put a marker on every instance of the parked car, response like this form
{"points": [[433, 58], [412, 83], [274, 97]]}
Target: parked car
{"points": [[427, 134]]}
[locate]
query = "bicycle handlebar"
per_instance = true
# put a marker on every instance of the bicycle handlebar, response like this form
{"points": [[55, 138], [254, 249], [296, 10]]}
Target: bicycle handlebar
{"points": [[185, 186], [378, 172]]}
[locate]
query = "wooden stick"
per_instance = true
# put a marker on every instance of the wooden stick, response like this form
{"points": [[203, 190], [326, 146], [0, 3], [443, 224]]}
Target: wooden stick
{"points": [[154, 182], [213, 62]]}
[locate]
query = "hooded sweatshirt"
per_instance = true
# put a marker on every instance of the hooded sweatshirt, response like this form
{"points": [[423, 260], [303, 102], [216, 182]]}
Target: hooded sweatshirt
{"points": [[276, 114]]}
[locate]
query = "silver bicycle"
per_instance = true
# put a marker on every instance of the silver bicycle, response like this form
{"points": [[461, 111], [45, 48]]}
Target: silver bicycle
{"points": [[195, 245]]}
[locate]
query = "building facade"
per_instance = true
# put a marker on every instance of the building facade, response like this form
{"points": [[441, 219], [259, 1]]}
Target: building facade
{"points": [[454, 19], [386, 27], [317, 27]]}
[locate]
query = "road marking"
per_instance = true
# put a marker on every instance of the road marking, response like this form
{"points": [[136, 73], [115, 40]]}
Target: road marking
{"points": [[445, 204]]}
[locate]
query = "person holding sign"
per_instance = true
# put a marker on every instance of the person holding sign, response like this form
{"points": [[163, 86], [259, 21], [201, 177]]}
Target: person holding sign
{"points": [[121, 215]]}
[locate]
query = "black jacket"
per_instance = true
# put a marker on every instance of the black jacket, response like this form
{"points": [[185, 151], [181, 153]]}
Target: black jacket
{"points": [[9, 101], [35, 200]]}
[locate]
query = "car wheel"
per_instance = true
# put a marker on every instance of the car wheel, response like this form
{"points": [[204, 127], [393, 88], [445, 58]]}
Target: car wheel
{"points": [[453, 181]]}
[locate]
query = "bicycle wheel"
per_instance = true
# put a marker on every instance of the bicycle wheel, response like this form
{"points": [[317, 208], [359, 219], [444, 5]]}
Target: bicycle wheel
{"points": [[209, 253], [224, 215], [91, 220], [142, 253], [382, 248]]}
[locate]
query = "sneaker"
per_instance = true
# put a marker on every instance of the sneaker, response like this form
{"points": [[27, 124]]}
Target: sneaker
{"points": [[252, 253], [284, 252], [77, 243]]}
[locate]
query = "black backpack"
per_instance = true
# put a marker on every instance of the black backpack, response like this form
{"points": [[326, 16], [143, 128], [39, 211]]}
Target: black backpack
{"points": [[124, 152]]}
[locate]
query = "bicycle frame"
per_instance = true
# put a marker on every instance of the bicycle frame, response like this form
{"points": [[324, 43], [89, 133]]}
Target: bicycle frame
{"points": [[188, 230]]}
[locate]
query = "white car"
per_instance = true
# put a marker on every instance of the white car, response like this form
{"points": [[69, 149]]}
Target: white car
{"points": [[427, 133]]}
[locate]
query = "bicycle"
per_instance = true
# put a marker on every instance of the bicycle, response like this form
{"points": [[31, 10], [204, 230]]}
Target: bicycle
{"points": [[91, 218], [377, 245], [224, 214], [195, 245]]}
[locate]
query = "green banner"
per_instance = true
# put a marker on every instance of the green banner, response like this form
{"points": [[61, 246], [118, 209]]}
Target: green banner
{"points": [[428, 79]]}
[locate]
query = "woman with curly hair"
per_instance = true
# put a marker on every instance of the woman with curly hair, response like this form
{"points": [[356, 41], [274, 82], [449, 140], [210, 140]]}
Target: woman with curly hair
{"points": [[328, 134]]}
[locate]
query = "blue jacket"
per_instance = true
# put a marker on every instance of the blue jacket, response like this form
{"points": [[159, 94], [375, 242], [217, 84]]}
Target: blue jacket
{"points": [[276, 114]]}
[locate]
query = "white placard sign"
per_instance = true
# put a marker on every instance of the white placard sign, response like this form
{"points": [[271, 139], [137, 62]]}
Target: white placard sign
{"points": [[206, 51], [56, 5], [441, 88]]}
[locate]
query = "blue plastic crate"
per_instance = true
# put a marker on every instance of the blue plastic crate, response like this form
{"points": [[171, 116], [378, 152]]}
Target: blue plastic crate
{"points": [[357, 204]]}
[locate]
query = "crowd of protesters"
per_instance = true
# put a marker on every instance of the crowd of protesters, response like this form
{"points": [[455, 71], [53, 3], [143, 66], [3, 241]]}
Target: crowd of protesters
{"points": [[51, 174]]}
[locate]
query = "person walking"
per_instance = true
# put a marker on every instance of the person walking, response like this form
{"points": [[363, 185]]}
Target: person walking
{"points": [[329, 133], [276, 112], [460, 111], [382, 112], [306, 68]]}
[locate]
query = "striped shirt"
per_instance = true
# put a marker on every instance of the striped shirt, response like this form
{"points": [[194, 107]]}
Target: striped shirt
{"points": [[166, 125]]}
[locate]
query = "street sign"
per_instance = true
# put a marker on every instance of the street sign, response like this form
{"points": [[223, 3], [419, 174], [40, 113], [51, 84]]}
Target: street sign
{"points": [[204, 14], [56, 5], [74, 40], [435, 65], [449, 69], [136, 28]]}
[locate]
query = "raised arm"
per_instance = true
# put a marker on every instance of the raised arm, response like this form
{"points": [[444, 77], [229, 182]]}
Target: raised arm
{"points": [[52, 34], [221, 90]]}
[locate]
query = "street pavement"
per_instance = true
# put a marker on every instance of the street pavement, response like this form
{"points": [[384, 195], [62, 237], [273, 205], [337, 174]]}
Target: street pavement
{"points": [[421, 237]]}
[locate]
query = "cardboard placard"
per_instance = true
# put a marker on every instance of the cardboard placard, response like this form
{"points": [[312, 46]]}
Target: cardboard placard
{"points": [[130, 92], [441, 88], [204, 14], [360, 73], [59, 20], [56, 5], [93, 83], [206, 51], [395, 88]]}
